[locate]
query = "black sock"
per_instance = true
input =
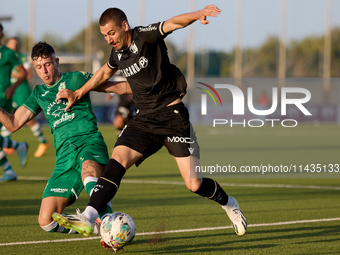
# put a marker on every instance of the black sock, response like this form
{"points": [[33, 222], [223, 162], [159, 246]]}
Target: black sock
{"points": [[212, 190], [107, 185]]}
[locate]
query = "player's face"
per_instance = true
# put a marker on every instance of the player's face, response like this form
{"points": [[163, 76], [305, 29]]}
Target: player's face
{"points": [[118, 37], [12, 44], [47, 69]]}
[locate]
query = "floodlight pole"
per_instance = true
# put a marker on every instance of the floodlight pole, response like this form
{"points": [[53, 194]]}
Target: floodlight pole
{"points": [[191, 48], [327, 47], [88, 38], [282, 47], [238, 49], [141, 13], [31, 30]]}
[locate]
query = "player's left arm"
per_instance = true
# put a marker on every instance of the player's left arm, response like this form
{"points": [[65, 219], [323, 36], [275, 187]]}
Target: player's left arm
{"points": [[186, 19], [21, 77]]}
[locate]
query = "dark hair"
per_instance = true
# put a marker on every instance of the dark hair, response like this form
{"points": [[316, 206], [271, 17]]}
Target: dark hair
{"points": [[1, 28], [112, 14], [43, 50]]}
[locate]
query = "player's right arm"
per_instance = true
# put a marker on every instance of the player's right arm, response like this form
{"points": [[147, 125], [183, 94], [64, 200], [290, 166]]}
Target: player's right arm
{"points": [[98, 79], [15, 121], [186, 19]]}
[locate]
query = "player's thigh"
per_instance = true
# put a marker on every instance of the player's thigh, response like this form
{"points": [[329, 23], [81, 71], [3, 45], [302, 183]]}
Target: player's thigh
{"points": [[92, 156], [91, 168], [50, 205], [135, 145], [126, 156]]}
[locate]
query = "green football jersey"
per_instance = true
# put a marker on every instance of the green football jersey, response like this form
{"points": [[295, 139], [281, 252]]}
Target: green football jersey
{"points": [[67, 128], [8, 61], [25, 63]]}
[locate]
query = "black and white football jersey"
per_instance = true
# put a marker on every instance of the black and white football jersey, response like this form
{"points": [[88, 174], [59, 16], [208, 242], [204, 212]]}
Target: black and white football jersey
{"points": [[154, 81]]}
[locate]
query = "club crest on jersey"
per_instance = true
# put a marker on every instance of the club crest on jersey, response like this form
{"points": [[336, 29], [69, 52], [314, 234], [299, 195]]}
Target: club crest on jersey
{"points": [[119, 55], [133, 48], [62, 86]]}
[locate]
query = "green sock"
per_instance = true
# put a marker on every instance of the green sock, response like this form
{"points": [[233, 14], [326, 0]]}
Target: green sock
{"points": [[89, 184]]}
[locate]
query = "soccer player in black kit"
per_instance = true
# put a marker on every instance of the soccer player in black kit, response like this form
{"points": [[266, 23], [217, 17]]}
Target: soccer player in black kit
{"points": [[157, 87]]}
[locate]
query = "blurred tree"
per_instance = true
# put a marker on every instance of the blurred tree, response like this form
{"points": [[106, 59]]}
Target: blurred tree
{"points": [[303, 58], [335, 54]]}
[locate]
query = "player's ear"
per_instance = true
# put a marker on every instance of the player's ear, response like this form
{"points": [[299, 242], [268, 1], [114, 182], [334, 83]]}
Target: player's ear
{"points": [[57, 61], [125, 25]]}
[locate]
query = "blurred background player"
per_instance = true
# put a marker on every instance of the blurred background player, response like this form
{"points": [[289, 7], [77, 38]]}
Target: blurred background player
{"points": [[9, 61], [125, 108], [20, 96]]}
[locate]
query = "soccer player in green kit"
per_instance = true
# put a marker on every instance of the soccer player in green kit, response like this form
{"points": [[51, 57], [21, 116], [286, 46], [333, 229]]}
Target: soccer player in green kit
{"points": [[81, 152], [8, 61], [20, 96]]}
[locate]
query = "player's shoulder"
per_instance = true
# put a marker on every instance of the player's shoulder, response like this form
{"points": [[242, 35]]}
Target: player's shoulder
{"points": [[80, 74], [7, 52], [38, 90]]}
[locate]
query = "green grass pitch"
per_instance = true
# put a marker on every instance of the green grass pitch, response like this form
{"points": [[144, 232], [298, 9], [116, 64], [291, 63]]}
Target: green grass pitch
{"points": [[283, 213]]}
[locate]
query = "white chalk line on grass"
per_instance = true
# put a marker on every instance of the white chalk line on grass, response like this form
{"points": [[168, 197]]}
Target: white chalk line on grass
{"points": [[176, 231], [254, 185]]}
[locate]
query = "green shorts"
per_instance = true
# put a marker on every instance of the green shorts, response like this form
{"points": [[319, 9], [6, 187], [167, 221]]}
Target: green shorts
{"points": [[66, 177]]}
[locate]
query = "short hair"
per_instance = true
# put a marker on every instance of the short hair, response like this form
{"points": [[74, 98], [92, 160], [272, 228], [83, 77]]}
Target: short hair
{"points": [[43, 50], [1, 28], [112, 14]]}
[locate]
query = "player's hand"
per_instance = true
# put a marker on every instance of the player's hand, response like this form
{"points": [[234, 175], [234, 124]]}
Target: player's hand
{"points": [[210, 10], [71, 96], [9, 92]]}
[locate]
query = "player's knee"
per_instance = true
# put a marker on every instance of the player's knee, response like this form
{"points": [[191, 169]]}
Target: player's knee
{"points": [[44, 219], [193, 184]]}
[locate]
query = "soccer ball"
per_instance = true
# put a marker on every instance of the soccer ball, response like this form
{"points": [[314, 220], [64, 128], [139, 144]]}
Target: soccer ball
{"points": [[117, 229]]}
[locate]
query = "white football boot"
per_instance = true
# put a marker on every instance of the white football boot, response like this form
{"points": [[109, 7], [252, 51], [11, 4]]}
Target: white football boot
{"points": [[236, 216], [78, 222]]}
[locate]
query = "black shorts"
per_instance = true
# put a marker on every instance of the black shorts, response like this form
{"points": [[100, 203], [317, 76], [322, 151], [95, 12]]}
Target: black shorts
{"points": [[169, 126]]}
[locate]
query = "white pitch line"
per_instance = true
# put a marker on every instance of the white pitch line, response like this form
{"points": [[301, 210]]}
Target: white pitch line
{"points": [[288, 186], [176, 231], [254, 185]]}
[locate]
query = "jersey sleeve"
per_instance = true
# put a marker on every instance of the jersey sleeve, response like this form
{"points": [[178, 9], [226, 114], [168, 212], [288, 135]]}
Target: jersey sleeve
{"points": [[112, 63], [32, 104], [152, 33]]}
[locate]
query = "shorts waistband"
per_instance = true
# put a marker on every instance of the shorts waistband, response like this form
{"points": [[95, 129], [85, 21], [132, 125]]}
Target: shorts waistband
{"points": [[164, 110]]}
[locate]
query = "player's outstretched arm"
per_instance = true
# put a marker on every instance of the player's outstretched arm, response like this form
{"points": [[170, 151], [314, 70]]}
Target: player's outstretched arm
{"points": [[98, 79], [186, 19], [15, 121]]}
